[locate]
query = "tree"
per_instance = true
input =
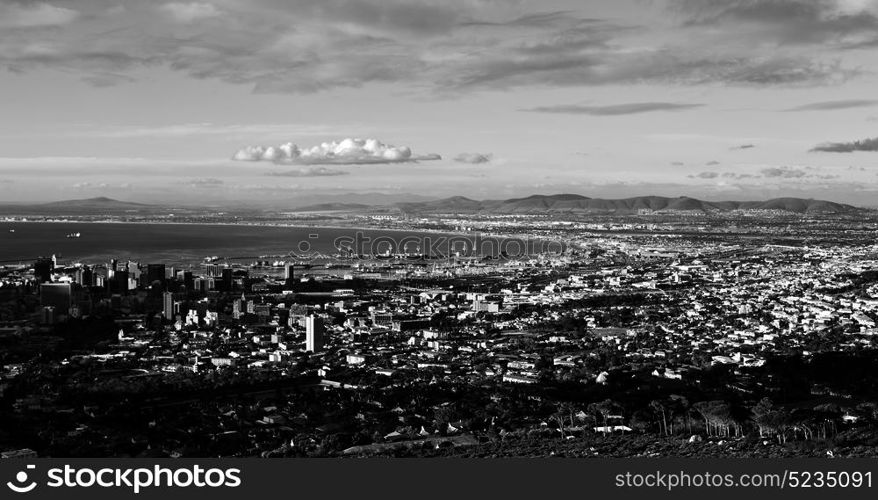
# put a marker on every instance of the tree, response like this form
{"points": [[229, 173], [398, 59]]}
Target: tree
{"points": [[657, 407]]}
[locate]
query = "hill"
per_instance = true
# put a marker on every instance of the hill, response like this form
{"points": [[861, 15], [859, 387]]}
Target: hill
{"points": [[577, 203], [99, 205]]}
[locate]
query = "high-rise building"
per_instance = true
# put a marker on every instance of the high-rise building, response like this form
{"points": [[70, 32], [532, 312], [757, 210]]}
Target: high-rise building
{"points": [[289, 272], [84, 276], [168, 306], [313, 333], [47, 315], [155, 272], [214, 270], [43, 270], [226, 280], [238, 307], [56, 295]]}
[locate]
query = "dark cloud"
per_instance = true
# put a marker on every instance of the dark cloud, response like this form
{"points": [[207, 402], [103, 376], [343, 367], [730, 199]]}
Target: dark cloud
{"points": [[275, 46], [705, 175], [742, 146], [782, 21], [833, 105], [677, 163], [473, 158], [309, 172], [615, 109], [847, 147], [712, 163], [783, 172]]}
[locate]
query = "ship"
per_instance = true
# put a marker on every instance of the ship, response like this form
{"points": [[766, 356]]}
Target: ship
{"points": [[74, 235]]}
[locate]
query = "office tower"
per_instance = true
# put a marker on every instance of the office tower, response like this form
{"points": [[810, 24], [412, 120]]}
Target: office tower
{"points": [[56, 295], [155, 272], [168, 306], [226, 280], [119, 282], [289, 272], [213, 270], [84, 276], [111, 268], [313, 333], [43, 270], [133, 269], [47, 315], [238, 307]]}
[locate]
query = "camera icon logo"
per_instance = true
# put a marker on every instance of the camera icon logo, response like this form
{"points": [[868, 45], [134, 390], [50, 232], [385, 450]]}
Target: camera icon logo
{"points": [[21, 478]]}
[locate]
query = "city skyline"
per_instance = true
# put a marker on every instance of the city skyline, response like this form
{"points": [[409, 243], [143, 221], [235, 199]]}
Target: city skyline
{"points": [[733, 100]]}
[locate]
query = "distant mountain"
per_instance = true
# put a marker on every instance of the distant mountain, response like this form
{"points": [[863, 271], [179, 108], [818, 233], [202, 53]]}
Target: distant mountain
{"points": [[575, 203], [100, 201], [100, 205], [333, 207]]}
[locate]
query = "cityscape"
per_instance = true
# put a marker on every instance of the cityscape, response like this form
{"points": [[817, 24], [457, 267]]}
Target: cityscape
{"points": [[666, 332], [425, 229]]}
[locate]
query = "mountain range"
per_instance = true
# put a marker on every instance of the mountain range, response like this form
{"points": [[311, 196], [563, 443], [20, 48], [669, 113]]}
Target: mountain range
{"points": [[570, 203], [536, 204]]}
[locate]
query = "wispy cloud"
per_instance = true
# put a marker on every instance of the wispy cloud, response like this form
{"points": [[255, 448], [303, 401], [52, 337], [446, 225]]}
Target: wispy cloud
{"points": [[34, 15], [870, 145], [783, 172], [309, 172], [833, 105], [190, 12], [614, 109], [313, 46], [206, 183], [473, 158], [803, 22]]}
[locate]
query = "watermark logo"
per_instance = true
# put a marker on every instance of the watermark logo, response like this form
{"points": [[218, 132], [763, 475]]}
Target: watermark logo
{"points": [[21, 484], [359, 245], [132, 479]]}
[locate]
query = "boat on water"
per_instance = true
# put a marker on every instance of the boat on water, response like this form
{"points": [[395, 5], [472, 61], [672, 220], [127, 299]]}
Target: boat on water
{"points": [[74, 235]]}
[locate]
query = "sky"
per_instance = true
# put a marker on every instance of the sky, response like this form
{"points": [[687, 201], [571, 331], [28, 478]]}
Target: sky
{"points": [[285, 102]]}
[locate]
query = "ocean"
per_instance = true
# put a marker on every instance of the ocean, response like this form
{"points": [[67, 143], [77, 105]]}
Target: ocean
{"points": [[178, 243]]}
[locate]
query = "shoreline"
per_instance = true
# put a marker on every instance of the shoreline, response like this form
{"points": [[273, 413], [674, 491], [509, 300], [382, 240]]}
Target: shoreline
{"points": [[470, 234]]}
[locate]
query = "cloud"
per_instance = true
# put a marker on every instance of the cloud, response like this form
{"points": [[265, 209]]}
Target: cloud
{"points": [[712, 163], [189, 12], [677, 164], [35, 15], [847, 147], [705, 175], [742, 146], [473, 158], [833, 105], [783, 172], [309, 172], [615, 109], [735, 175], [86, 185], [309, 46], [783, 21], [206, 183], [345, 152]]}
